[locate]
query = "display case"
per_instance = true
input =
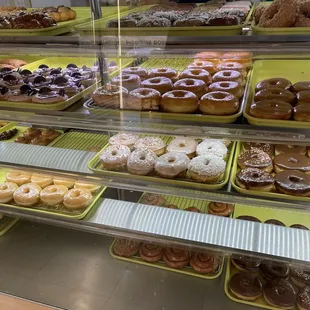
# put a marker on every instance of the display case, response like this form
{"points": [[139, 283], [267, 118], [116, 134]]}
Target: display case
{"points": [[155, 166]]}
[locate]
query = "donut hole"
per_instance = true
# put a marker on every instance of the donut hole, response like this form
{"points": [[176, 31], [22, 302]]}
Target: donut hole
{"points": [[293, 160], [26, 190], [227, 73], [142, 157], [224, 84], [114, 153], [171, 160], [190, 82], [75, 194], [219, 96], [295, 179], [4, 187]]}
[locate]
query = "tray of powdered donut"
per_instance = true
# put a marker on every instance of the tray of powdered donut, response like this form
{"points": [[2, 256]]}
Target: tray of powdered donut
{"points": [[208, 88], [282, 17], [269, 284], [279, 94], [45, 194], [166, 160]]}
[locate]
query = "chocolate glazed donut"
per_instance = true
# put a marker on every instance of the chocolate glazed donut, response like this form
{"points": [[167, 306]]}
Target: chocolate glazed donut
{"points": [[204, 263], [289, 161], [176, 258], [151, 252], [271, 270], [246, 263]]}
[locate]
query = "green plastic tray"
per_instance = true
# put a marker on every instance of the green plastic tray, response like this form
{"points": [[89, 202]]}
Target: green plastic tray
{"points": [[6, 223]]}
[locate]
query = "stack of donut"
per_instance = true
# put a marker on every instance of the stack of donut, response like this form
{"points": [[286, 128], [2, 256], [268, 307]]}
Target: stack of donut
{"points": [[29, 190], [278, 99], [281, 168], [182, 158], [176, 258]]}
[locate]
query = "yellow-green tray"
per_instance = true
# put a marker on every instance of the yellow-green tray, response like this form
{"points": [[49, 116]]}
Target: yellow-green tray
{"points": [[293, 70], [234, 171], [58, 210], [96, 166], [78, 140], [6, 223]]}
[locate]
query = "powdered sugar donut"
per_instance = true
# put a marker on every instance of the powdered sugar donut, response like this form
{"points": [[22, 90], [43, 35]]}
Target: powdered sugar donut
{"points": [[183, 145], [115, 157], [128, 139], [210, 146], [154, 144], [141, 162]]}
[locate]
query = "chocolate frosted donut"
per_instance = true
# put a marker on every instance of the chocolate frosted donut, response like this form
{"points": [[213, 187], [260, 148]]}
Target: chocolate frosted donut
{"points": [[160, 83], [248, 218], [289, 161], [266, 147], [151, 252], [274, 222], [301, 86], [129, 81], [166, 72], [271, 270], [298, 226], [205, 263], [302, 113], [246, 263], [176, 258], [255, 158], [255, 179], [287, 148], [198, 87], [275, 94], [300, 277], [303, 299], [303, 97], [246, 286], [141, 72], [271, 109], [273, 83]]}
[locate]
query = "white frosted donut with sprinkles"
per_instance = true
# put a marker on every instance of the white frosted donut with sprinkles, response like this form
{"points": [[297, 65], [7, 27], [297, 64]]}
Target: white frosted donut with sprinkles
{"points": [[211, 146], [141, 162], [115, 157], [128, 139]]}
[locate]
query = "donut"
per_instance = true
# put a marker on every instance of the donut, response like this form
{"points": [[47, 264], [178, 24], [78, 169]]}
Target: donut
{"points": [[248, 218], [77, 198], [259, 12], [7, 190], [69, 183], [127, 139], [206, 168], [291, 161], [255, 158], [176, 258], [220, 209], [236, 66], [246, 263], [50, 134], [288, 148], [300, 277], [301, 86], [245, 286], [192, 209], [32, 133], [271, 109], [141, 162], [233, 88], [271, 270], [41, 180], [183, 145], [172, 207], [155, 144], [48, 96], [280, 293], [197, 87], [18, 177], [143, 99], [27, 195], [279, 14], [298, 226], [129, 81], [125, 247], [303, 299], [244, 58], [229, 76], [53, 195], [153, 200], [160, 83], [110, 96], [198, 74], [209, 56], [40, 141], [141, 72], [5, 92], [273, 83], [115, 157], [205, 65], [302, 113], [211, 146], [275, 94], [302, 19], [266, 147], [92, 187], [255, 179], [293, 182], [171, 165], [151, 253], [165, 72], [303, 97], [219, 103], [204, 263], [22, 140]]}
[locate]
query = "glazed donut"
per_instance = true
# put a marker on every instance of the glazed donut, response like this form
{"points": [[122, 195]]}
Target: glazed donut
{"points": [[288, 148], [69, 183], [279, 14], [271, 270], [302, 19], [246, 263], [220, 209], [300, 277], [236, 66], [206, 168], [141, 162], [179, 101], [229, 76], [198, 87], [233, 88], [141, 72], [53, 195], [244, 58], [153, 200], [205, 65], [32, 133], [271, 109], [210, 146], [255, 179], [7, 190], [125, 247], [209, 56], [151, 253], [171, 165], [303, 299], [164, 72], [92, 187], [198, 74], [127, 139], [129, 81], [274, 222], [204, 263], [18, 178], [77, 198], [160, 83], [273, 83], [192, 209], [291, 161], [275, 94], [301, 86], [115, 157], [27, 195], [266, 147], [302, 113], [303, 97], [293, 182], [176, 258], [143, 99], [183, 145], [219, 103], [255, 158], [41, 180], [298, 226], [155, 144]]}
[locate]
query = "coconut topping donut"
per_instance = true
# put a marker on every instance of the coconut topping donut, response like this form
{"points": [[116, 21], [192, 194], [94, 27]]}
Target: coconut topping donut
{"points": [[127, 139], [165, 72], [300, 277], [255, 158], [115, 157], [205, 65], [151, 253], [198, 74], [220, 209], [77, 198], [229, 76], [273, 83], [204, 263], [129, 81], [159, 83], [275, 93], [183, 145], [198, 87], [153, 200], [27, 195], [171, 165], [141, 72], [53, 195], [303, 299], [179, 101], [233, 88], [266, 147], [210, 146], [7, 190], [206, 168], [236, 66], [18, 177], [301, 86], [271, 109], [141, 162], [125, 247], [291, 161], [176, 258], [154, 144], [143, 99], [288, 148]]}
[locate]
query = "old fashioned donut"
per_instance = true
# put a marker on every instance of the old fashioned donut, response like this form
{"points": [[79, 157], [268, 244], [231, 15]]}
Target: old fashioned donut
{"points": [[302, 113], [176, 258], [205, 65], [18, 177], [7, 190], [288, 148], [153, 200], [129, 81], [165, 72], [255, 158], [229, 76], [141, 72], [160, 83], [273, 83], [199, 74], [125, 247], [127, 139], [115, 157], [27, 195], [271, 109], [53, 195], [150, 252], [220, 209], [183, 145], [211, 146], [141, 162], [291, 161], [77, 198], [155, 144], [143, 99], [233, 88], [275, 94], [198, 87], [204, 263], [179, 101]]}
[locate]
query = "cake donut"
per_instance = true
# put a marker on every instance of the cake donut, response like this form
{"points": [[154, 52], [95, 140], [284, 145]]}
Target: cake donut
{"points": [[141, 72], [143, 99], [53, 195], [272, 270], [127, 139], [288, 148], [163, 72], [273, 83], [77, 198], [271, 109], [275, 94], [7, 190], [198, 74], [291, 161], [141, 162], [220, 209], [246, 263], [303, 299], [153, 200], [229, 76], [183, 145], [154, 144], [300, 277], [18, 177], [198, 87], [233, 88], [125, 247], [115, 157], [151, 253], [176, 258], [205, 65], [159, 83], [210, 146], [171, 165], [204, 263], [27, 195], [255, 158]]}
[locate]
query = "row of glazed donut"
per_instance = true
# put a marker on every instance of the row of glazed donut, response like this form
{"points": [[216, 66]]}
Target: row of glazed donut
{"points": [[203, 263]]}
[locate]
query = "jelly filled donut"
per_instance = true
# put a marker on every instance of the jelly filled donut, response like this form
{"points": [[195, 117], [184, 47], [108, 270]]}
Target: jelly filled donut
{"points": [[141, 162], [125, 247], [151, 253], [143, 99], [273, 83], [115, 157], [176, 258], [198, 87], [129, 81], [165, 72], [228, 76], [255, 158], [204, 263], [171, 165], [275, 94], [159, 83], [220, 209], [233, 88], [291, 161], [271, 109], [199, 74]]}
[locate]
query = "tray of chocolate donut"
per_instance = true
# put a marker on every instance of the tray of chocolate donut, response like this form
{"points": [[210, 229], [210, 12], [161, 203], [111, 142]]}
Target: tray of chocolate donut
{"points": [[45, 194], [278, 94], [267, 283], [178, 89], [275, 171]]}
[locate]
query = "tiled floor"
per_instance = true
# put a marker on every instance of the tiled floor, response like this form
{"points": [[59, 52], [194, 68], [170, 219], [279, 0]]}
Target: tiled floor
{"points": [[74, 270]]}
